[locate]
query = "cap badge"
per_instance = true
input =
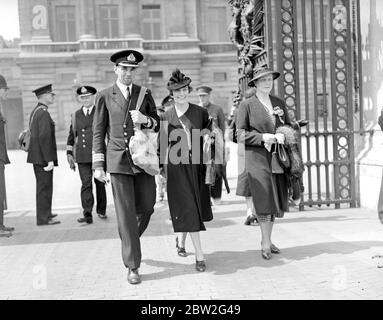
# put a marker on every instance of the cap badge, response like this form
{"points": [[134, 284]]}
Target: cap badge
{"points": [[83, 90], [131, 58]]}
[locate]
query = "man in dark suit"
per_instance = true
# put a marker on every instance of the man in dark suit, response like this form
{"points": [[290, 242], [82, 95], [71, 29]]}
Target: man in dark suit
{"points": [[134, 191], [79, 149], [4, 231], [42, 153], [216, 113]]}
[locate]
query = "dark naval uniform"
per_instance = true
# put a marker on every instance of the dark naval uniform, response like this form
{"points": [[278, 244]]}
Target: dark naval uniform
{"points": [[80, 139], [42, 149], [134, 191]]}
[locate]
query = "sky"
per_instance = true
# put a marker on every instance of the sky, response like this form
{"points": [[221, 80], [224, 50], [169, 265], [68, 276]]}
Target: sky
{"points": [[9, 19]]}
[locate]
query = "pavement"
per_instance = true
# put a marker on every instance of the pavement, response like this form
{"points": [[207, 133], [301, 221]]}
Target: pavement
{"points": [[325, 254]]}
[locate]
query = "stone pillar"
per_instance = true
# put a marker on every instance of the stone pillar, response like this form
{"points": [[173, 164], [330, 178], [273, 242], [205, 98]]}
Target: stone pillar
{"points": [[131, 16], [40, 21], [176, 9], [87, 23], [191, 18]]}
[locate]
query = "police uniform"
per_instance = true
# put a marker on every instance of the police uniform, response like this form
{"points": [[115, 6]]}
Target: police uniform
{"points": [[80, 138], [42, 149], [216, 113], [134, 191]]}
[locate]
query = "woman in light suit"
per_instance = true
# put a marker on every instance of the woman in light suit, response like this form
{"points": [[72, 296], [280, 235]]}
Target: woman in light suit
{"points": [[258, 118]]}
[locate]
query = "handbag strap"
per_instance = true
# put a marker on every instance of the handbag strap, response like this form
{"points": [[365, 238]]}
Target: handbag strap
{"points": [[140, 99], [33, 115]]}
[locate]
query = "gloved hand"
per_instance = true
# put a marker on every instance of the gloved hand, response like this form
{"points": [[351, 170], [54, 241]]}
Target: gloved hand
{"points": [[280, 138], [100, 175], [269, 138], [71, 162], [50, 166]]}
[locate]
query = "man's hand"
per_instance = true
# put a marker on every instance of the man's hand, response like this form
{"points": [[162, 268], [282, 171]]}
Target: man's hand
{"points": [[50, 166], [71, 162], [269, 138], [100, 175], [138, 117]]}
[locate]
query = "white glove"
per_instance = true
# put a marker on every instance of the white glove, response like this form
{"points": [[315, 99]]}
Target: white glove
{"points": [[50, 166], [268, 138], [280, 138], [100, 175], [138, 117]]}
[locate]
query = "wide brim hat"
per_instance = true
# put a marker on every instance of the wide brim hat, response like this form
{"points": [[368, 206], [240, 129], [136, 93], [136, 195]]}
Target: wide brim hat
{"points": [[85, 91], [178, 80], [261, 72], [127, 58]]}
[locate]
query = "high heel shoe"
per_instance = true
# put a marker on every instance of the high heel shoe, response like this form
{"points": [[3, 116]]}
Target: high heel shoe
{"points": [[266, 254], [274, 249], [180, 251], [200, 265]]}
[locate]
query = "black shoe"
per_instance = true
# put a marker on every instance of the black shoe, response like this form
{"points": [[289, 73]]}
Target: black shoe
{"points": [[133, 276], [7, 229], [53, 215], [49, 223], [88, 220], [6, 234], [274, 249], [102, 215], [251, 220], [180, 251], [200, 266]]}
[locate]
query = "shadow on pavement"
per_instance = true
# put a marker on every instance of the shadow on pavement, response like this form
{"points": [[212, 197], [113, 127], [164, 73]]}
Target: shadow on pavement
{"points": [[229, 262]]}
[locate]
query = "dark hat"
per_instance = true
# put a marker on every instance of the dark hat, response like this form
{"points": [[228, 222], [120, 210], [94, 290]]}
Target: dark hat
{"points": [[3, 83], [203, 90], [178, 80], [42, 90], [166, 100], [86, 91], [261, 72], [127, 58]]}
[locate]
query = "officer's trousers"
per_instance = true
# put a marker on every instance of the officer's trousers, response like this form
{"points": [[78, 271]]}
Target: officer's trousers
{"points": [[134, 200], [87, 198], [44, 192]]}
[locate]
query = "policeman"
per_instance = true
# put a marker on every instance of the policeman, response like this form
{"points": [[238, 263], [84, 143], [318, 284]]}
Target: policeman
{"points": [[4, 231], [80, 138], [42, 154], [218, 116], [134, 191]]}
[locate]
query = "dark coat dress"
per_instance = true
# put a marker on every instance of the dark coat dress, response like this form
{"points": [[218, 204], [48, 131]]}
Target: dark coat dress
{"points": [[3, 145], [269, 191], [42, 145], [188, 195]]}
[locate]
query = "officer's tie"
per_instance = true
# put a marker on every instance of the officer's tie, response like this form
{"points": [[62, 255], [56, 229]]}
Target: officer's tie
{"points": [[87, 113], [128, 94]]}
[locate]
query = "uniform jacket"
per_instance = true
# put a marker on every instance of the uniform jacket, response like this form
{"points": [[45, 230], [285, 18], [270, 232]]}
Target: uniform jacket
{"points": [[216, 113], [83, 133], [3, 146], [111, 108], [42, 148]]}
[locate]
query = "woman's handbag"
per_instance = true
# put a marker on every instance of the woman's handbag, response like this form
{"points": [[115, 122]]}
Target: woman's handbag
{"points": [[143, 145], [275, 165], [283, 156]]}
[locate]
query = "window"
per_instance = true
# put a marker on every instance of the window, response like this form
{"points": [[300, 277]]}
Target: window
{"points": [[65, 23], [217, 25], [151, 22], [156, 74], [219, 76], [109, 21]]}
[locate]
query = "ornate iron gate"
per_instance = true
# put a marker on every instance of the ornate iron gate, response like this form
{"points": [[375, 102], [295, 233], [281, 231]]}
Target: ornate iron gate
{"points": [[315, 45]]}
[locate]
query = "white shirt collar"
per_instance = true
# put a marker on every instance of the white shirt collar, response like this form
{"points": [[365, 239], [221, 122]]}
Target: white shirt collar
{"points": [[123, 88], [85, 110]]}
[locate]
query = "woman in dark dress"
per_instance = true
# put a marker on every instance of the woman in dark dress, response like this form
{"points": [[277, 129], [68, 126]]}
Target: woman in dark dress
{"points": [[258, 119], [188, 195]]}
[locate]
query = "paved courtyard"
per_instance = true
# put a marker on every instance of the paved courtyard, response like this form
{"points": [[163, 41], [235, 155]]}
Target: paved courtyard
{"points": [[326, 254]]}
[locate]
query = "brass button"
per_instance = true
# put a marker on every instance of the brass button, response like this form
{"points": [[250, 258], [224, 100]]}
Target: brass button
{"points": [[126, 140], [83, 145], [127, 149], [124, 126], [83, 130], [125, 134]]}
